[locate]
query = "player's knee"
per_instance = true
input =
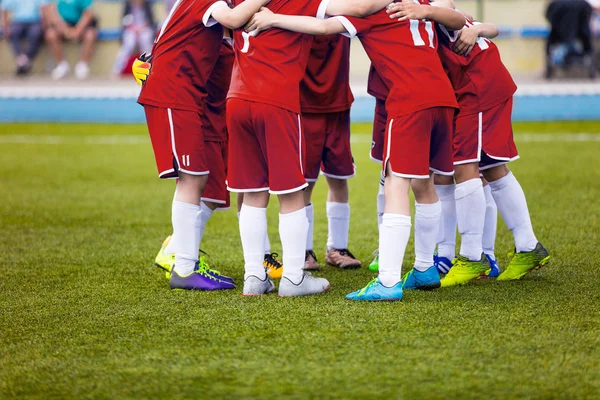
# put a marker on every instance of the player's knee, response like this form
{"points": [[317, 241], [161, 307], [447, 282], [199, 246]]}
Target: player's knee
{"points": [[424, 191], [466, 172], [495, 173], [291, 202], [443, 179], [256, 199]]}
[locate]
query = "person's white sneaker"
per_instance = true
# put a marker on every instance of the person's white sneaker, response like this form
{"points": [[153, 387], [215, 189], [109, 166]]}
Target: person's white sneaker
{"points": [[61, 70], [307, 286], [254, 286], [82, 70]]}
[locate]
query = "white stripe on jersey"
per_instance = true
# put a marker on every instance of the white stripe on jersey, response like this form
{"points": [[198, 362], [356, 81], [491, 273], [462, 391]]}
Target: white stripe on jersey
{"points": [[164, 25]]}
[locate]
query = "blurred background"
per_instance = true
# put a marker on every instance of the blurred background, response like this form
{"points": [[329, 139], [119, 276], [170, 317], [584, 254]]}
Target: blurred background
{"points": [[68, 60]]}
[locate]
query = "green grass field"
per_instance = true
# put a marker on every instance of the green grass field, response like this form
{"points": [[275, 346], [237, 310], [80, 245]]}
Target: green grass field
{"points": [[85, 314]]}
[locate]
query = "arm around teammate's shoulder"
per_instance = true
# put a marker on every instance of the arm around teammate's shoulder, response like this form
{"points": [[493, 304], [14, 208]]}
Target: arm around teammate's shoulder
{"points": [[353, 8], [238, 16], [266, 19]]}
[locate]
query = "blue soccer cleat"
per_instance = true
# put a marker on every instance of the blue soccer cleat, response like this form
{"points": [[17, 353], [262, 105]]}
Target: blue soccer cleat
{"points": [[495, 270], [422, 280], [375, 291], [442, 264]]}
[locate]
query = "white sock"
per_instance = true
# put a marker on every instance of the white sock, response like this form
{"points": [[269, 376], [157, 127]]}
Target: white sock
{"points": [[267, 243], [293, 228], [491, 222], [427, 226], [253, 229], [310, 216], [186, 236], [447, 238], [393, 237], [470, 214], [512, 205], [380, 201], [338, 216], [205, 213]]}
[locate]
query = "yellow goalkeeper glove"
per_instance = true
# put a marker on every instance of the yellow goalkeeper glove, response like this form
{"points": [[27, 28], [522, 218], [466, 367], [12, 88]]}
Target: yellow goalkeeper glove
{"points": [[141, 68]]}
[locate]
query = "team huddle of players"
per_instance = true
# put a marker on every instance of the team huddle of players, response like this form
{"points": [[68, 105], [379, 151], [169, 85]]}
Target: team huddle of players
{"points": [[266, 110]]}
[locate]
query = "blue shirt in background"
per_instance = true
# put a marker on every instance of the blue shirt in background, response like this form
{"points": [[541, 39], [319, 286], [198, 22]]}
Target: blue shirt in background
{"points": [[71, 10], [24, 11]]}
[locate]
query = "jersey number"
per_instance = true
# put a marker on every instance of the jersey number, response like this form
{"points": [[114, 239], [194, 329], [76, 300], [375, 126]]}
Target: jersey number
{"points": [[416, 34]]}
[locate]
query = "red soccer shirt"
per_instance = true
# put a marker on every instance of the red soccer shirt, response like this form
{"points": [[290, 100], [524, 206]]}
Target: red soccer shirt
{"points": [[215, 126], [268, 68], [480, 80], [404, 55], [184, 54], [325, 87], [375, 86]]}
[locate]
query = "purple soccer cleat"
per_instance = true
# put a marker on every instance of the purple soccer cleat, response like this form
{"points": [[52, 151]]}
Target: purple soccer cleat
{"points": [[198, 280]]}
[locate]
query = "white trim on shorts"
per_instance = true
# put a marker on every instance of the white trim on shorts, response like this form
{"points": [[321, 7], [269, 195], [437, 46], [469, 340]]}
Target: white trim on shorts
{"points": [[375, 159], [311, 180], [479, 144], [296, 189], [213, 200], [339, 176], [410, 176], [498, 163], [300, 143], [438, 172], [254, 190], [168, 171]]}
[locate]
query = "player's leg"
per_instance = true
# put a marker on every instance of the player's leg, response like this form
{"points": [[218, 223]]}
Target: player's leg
{"points": [[247, 173], [470, 202], [338, 166], [281, 129], [428, 210], [379, 125], [310, 258], [445, 187], [498, 150], [489, 230]]}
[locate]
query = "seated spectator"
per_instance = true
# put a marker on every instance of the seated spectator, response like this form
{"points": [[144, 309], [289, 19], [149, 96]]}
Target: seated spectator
{"points": [[138, 32], [72, 20], [22, 25]]}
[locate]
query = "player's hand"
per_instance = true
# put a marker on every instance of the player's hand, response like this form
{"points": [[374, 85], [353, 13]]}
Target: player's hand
{"points": [[141, 68], [407, 10], [261, 21], [467, 37]]}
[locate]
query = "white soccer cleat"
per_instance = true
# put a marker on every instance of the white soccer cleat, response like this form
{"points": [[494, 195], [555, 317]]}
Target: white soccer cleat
{"points": [[254, 286], [82, 70], [61, 70], [307, 286]]}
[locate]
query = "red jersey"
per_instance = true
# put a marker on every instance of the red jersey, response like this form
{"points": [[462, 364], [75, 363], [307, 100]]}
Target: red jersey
{"points": [[326, 84], [480, 80], [268, 68], [404, 55], [215, 126], [184, 54], [376, 87]]}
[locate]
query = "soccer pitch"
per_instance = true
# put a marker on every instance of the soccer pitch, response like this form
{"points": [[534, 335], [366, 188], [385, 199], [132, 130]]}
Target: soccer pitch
{"points": [[85, 314]]}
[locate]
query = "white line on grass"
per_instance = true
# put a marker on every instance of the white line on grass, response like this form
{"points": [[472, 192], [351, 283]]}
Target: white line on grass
{"points": [[358, 138]]}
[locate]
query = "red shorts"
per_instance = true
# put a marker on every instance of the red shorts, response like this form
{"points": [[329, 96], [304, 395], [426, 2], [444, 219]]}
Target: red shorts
{"points": [[421, 142], [379, 124], [327, 138], [266, 148], [216, 187], [177, 140], [486, 137]]}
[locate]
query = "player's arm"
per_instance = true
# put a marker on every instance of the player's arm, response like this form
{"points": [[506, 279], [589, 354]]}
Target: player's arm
{"points": [[353, 8], [265, 19], [238, 16], [408, 9], [468, 36]]}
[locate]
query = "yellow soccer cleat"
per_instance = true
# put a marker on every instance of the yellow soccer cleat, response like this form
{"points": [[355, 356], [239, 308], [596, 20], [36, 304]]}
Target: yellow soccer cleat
{"points": [[464, 271], [165, 261], [141, 68], [273, 266]]}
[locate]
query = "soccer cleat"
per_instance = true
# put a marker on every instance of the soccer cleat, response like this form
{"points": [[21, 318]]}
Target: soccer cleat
{"points": [[422, 280], [494, 269], [310, 261], [307, 286], [166, 261], [254, 286], [464, 271], [273, 266], [524, 262], [442, 264], [198, 280], [342, 259], [375, 291], [374, 266]]}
